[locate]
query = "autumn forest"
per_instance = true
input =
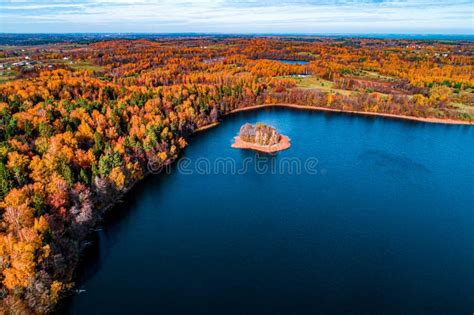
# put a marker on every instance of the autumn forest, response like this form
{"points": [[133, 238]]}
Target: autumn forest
{"points": [[81, 121]]}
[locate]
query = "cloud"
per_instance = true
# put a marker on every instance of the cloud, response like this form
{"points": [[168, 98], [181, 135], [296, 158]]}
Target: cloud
{"points": [[233, 16]]}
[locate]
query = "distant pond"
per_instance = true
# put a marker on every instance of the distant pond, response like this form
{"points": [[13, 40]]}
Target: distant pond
{"points": [[293, 62], [360, 216]]}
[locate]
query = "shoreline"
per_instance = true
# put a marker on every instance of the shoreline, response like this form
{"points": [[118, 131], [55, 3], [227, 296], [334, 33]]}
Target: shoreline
{"points": [[203, 128], [361, 113], [284, 144]]}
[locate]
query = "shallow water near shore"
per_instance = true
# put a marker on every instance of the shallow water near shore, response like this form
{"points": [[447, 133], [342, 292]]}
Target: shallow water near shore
{"points": [[380, 221]]}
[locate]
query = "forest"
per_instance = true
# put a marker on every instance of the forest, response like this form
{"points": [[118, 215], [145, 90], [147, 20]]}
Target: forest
{"points": [[260, 134], [80, 122]]}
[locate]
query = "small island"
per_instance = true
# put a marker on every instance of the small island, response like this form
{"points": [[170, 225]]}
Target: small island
{"points": [[261, 138]]}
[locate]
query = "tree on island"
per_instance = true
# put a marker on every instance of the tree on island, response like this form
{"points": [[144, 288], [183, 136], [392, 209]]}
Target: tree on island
{"points": [[260, 134]]}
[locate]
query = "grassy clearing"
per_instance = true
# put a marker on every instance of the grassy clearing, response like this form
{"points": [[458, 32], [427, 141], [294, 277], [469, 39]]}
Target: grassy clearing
{"points": [[313, 82], [76, 65], [375, 75], [84, 65], [217, 46], [4, 78], [7, 75]]}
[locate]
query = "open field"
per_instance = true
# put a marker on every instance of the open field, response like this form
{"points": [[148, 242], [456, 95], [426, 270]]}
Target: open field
{"points": [[313, 82]]}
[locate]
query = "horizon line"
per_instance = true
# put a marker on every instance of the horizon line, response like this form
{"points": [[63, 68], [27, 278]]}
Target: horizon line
{"points": [[325, 34]]}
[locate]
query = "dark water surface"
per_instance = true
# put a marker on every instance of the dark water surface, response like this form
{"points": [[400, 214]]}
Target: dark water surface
{"points": [[385, 226]]}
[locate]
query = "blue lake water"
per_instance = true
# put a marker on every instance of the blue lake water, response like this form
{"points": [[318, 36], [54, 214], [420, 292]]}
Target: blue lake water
{"points": [[383, 223]]}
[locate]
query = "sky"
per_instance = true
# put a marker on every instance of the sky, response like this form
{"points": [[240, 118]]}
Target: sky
{"points": [[238, 17]]}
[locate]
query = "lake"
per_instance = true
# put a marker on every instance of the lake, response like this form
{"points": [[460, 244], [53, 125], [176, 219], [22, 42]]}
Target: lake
{"points": [[378, 218]]}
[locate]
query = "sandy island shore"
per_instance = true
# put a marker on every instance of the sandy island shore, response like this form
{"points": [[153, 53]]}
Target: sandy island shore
{"points": [[325, 109], [282, 145]]}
